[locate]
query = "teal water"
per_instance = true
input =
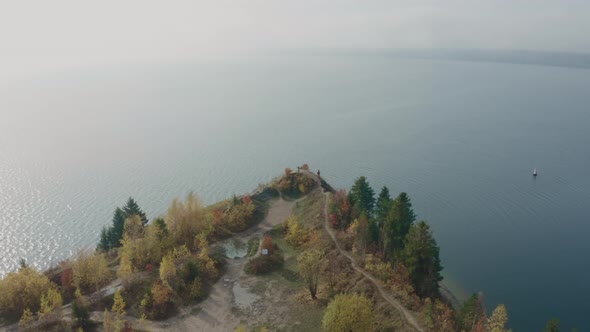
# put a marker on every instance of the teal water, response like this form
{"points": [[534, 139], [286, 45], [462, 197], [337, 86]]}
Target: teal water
{"points": [[460, 137]]}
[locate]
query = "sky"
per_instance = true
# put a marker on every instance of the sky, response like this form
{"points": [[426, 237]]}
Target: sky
{"points": [[37, 36]]}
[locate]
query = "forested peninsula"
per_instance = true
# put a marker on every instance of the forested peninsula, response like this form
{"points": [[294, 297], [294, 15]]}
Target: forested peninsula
{"points": [[293, 255]]}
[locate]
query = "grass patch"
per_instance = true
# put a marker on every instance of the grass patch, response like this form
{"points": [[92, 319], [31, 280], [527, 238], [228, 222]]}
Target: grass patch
{"points": [[253, 244], [196, 310], [289, 275], [259, 287], [310, 210]]}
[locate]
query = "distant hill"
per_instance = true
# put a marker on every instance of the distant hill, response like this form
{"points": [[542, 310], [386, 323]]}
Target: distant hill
{"points": [[525, 57]]}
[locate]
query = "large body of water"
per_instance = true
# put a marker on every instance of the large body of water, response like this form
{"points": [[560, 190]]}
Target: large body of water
{"points": [[460, 137]]}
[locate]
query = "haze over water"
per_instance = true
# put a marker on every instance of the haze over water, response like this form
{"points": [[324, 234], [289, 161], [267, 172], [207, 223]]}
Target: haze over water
{"points": [[461, 138]]}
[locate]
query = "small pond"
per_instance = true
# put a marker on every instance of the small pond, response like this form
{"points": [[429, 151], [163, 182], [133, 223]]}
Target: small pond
{"points": [[235, 248]]}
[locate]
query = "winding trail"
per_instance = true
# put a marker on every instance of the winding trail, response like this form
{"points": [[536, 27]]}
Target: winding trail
{"points": [[409, 317]]}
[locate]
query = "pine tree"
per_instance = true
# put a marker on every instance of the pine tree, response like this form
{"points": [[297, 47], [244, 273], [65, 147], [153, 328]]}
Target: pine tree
{"points": [[116, 232], [397, 223], [374, 232], [104, 243], [383, 203], [362, 197], [421, 257], [80, 309], [381, 209], [132, 209]]}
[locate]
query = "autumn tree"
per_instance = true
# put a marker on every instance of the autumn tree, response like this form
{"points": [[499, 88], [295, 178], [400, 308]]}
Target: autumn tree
{"points": [[26, 320], [497, 322], [125, 270], [239, 215], [296, 233], [91, 272], [340, 210], [396, 225], [118, 311], [309, 264], [421, 257], [107, 322], [185, 220], [50, 308], [168, 271], [22, 290], [438, 316], [145, 250], [348, 312], [401, 282], [156, 302], [362, 197], [471, 312], [552, 325], [133, 228]]}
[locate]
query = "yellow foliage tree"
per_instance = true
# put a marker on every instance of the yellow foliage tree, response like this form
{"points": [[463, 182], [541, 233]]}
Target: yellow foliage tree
{"points": [[107, 322], [145, 250], [22, 290], [118, 311], [168, 271], [125, 270], [186, 219], [51, 304], [309, 264], [26, 319], [348, 313], [297, 235], [91, 272], [133, 227], [497, 322]]}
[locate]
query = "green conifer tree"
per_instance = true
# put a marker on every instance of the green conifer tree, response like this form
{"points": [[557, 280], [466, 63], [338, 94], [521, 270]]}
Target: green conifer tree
{"points": [[362, 197], [132, 209], [396, 226], [104, 243], [116, 231], [421, 257]]}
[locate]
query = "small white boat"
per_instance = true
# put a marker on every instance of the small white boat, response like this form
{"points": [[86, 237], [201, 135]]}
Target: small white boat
{"points": [[535, 172]]}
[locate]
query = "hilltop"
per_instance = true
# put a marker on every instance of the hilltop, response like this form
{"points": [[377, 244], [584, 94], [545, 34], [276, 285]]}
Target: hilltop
{"points": [[294, 255]]}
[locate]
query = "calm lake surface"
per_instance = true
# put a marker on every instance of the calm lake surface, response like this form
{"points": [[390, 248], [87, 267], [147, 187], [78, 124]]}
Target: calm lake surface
{"points": [[461, 138]]}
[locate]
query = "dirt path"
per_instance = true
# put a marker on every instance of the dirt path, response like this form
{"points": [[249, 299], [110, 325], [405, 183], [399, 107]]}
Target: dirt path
{"points": [[410, 319], [229, 297]]}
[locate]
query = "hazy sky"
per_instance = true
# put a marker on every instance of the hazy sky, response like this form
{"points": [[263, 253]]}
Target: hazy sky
{"points": [[40, 35]]}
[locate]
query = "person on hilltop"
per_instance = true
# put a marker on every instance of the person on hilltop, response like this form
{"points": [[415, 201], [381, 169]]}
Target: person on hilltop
{"points": [[318, 173]]}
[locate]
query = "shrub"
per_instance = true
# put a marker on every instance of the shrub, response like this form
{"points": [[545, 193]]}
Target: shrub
{"points": [[265, 263], [305, 167], [382, 271]]}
